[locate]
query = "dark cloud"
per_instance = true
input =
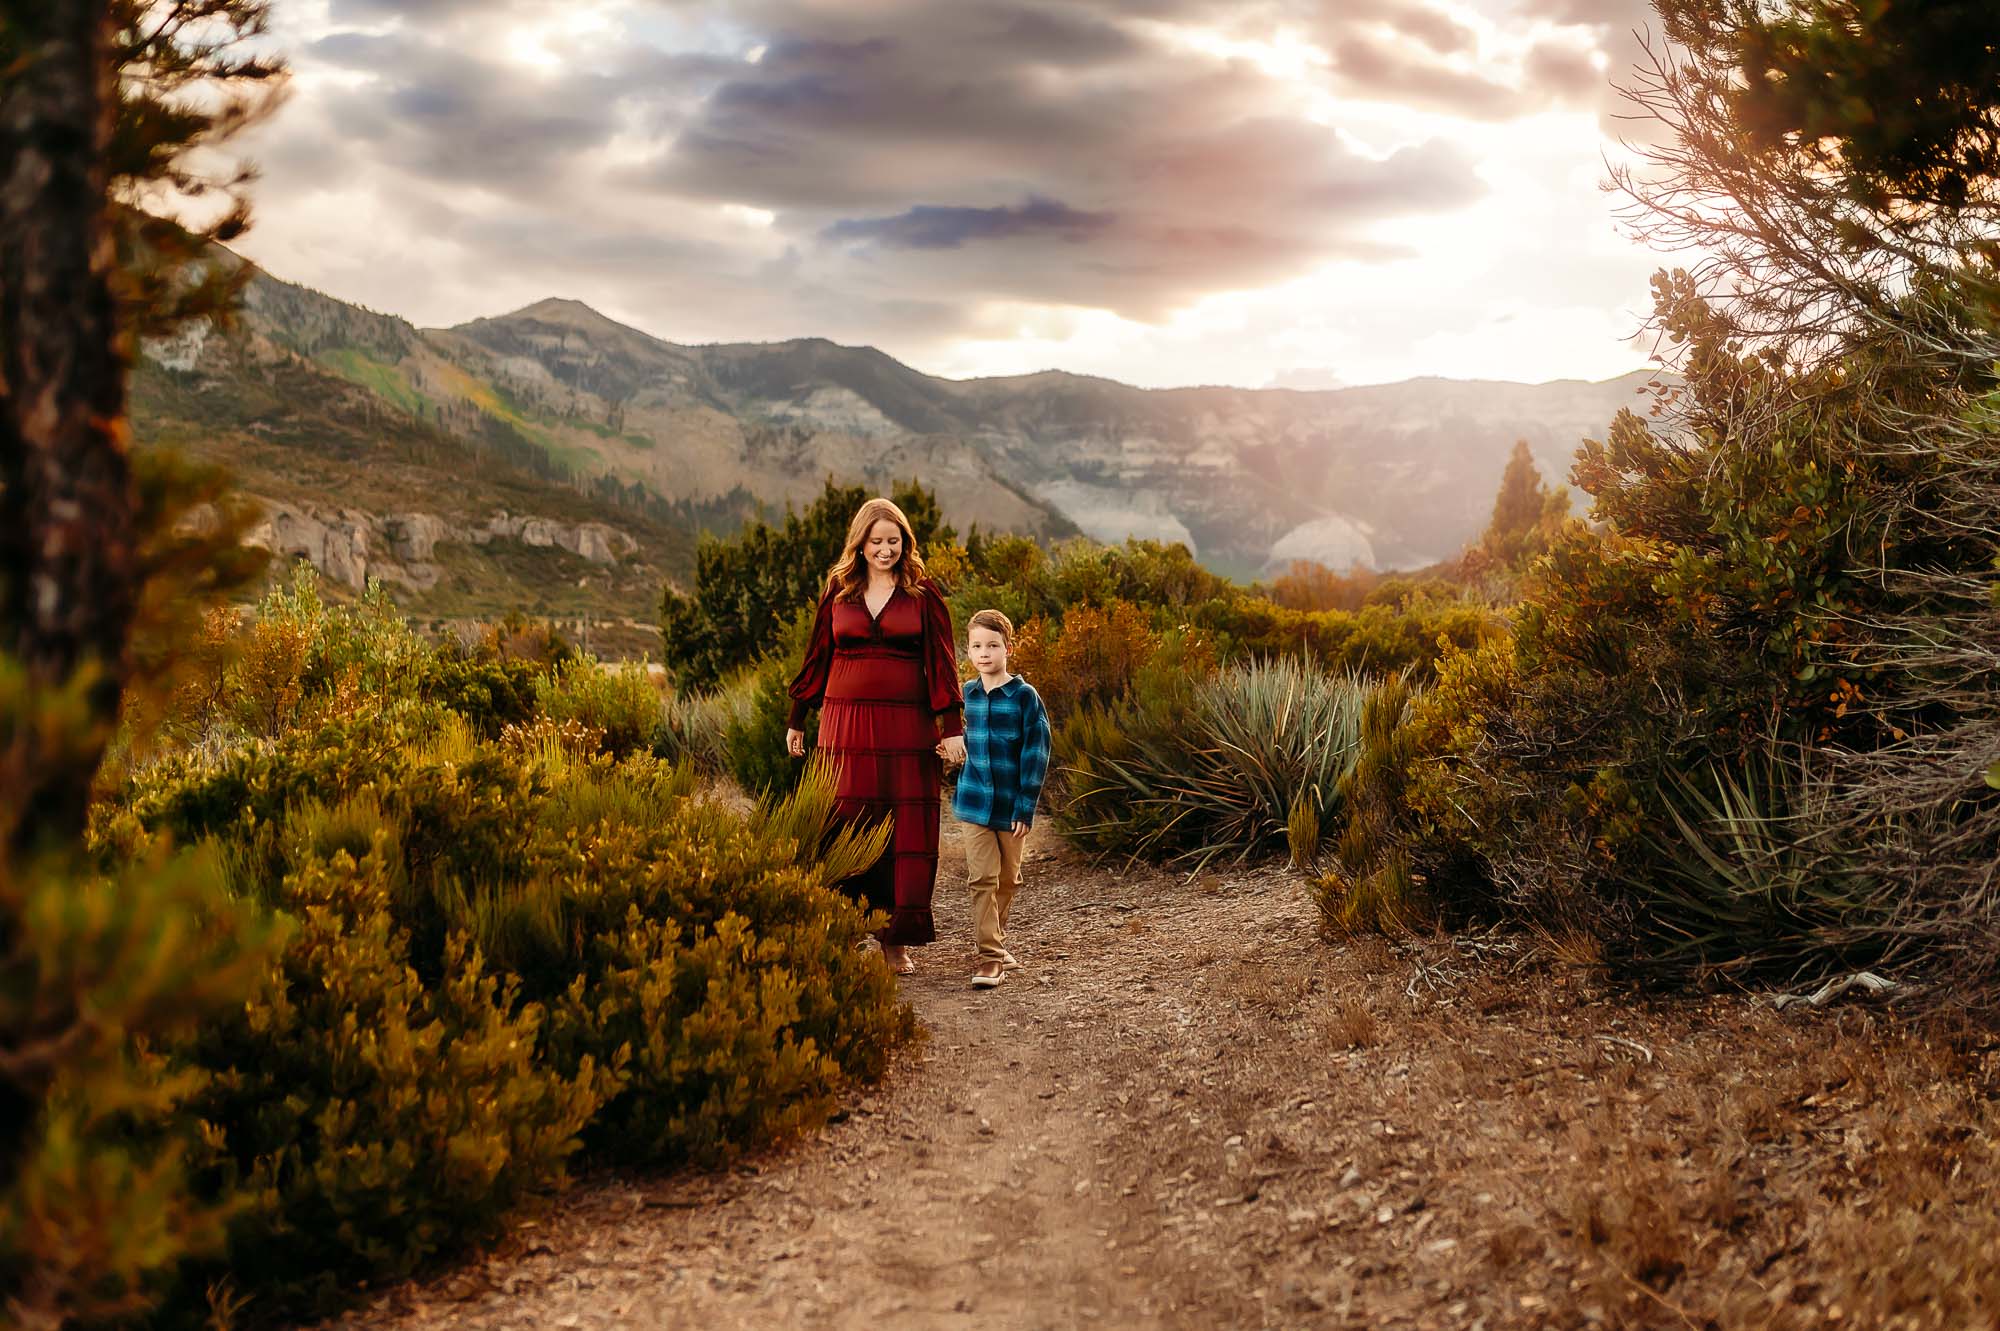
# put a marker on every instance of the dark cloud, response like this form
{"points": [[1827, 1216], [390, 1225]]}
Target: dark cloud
{"points": [[921, 160], [441, 112], [920, 130], [930, 227]]}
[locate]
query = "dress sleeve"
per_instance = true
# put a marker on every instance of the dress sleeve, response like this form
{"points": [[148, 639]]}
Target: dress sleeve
{"points": [[809, 685], [941, 662]]}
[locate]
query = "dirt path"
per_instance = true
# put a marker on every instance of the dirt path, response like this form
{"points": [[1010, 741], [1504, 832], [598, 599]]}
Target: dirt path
{"points": [[1189, 1111]]}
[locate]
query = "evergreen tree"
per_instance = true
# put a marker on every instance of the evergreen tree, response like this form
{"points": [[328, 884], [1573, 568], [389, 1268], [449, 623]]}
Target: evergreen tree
{"points": [[100, 99], [749, 588], [1826, 155], [1526, 513]]}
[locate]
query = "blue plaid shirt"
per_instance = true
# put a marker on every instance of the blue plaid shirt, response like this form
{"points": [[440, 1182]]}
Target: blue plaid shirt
{"points": [[1006, 754]]}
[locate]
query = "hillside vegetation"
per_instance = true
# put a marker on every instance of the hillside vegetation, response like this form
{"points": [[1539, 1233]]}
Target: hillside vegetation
{"points": [[325, 950]]}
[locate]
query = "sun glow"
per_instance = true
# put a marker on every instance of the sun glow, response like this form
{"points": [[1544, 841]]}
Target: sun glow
{"points": [[1283, 55], [550, 44]]}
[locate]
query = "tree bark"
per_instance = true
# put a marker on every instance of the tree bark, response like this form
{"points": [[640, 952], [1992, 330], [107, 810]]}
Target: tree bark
{"points": [[68, 557]]}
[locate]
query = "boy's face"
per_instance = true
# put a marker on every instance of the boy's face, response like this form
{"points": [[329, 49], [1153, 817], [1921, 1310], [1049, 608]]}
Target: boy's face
{"points": [[987, 650]]}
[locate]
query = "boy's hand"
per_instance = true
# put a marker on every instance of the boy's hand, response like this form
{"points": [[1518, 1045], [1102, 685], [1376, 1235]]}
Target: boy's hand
{"points": [[1020, 830], [952, 749]]}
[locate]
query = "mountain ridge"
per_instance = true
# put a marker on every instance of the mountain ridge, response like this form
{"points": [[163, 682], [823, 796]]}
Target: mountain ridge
{"points": [[565, 303], [1394, 475]]}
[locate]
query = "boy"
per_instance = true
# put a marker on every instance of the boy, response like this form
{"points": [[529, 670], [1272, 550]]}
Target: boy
{"points": [[1006, 760]]}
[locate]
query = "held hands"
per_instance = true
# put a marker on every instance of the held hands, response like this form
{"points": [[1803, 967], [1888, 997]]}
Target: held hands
{"points": [[795, 743], [952, 749]]}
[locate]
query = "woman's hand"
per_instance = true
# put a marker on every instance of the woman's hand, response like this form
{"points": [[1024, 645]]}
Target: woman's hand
{"points": [[795, 743], [952, 749]]}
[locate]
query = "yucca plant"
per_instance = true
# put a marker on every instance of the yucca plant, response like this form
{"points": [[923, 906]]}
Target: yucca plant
{"points": [[1271, 736], [695, 726], [1738, 880], [831, 851], [1260, 749]]}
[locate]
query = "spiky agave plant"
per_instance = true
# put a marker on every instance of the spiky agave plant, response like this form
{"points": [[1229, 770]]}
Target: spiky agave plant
{"points": [[1269, 736], [1258, 748], [1741, 880], [806, 816]]}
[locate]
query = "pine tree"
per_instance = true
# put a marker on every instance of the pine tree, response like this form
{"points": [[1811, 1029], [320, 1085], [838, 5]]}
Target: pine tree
{"points": [[99, 101], [99, 98], [1526, 512]]}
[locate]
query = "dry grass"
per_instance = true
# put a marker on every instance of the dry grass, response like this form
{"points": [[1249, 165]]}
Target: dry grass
{"points": [[1352, 1024], [1485, 1125], [1271, 1133]]}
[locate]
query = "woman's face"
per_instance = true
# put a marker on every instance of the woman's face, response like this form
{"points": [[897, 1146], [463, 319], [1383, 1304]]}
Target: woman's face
{"points": [[884, 547]]}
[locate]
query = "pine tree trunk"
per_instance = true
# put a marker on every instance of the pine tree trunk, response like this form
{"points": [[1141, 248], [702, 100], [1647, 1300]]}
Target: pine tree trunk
{"points": [[67, 506]]}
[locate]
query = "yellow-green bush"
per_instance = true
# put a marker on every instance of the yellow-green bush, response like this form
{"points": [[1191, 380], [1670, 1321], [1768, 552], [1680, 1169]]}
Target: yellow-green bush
{"points": [[729, 973], [1371, 883], [502, 949], [96, 1199], [620, 702], [368, 1119], [1381, 638]]}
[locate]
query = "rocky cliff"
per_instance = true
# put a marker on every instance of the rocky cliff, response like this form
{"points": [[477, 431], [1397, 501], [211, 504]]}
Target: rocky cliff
{"points": [[350, 546]]}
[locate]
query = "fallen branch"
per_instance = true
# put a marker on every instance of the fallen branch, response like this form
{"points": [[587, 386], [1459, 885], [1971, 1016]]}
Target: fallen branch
{"points": [[1633, 1045], [1871, 984]]}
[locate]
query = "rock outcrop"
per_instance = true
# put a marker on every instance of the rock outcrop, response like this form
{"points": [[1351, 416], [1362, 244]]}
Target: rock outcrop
{"points": [[350, 545]]}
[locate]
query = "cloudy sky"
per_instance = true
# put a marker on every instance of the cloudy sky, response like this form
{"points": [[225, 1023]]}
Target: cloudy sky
{"points": [[1161, 191]]}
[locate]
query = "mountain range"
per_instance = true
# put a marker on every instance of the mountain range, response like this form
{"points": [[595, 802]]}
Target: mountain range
{"points": [[560, 461]]}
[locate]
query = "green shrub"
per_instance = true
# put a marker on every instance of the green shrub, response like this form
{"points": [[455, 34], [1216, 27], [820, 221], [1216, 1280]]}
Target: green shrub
{"points": [[1081, 572], [490, 694], [620, 702], [754, 736], [369, 1120], [1383, 637]]}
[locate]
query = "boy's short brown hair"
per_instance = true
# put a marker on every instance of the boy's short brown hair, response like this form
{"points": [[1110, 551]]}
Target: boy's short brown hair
{"points": [[992, 619]]}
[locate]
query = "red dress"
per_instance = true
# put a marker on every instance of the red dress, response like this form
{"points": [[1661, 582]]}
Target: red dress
{"points": [[888, 688]]}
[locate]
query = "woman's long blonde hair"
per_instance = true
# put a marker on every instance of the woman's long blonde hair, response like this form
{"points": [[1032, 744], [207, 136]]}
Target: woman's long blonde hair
{"points": [[848, 578]]}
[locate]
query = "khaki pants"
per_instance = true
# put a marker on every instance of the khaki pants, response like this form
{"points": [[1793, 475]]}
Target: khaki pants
{"points": [[993, 866]]}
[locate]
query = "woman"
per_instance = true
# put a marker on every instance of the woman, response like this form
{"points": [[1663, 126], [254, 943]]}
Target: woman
{"points": [[881, 666]]}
